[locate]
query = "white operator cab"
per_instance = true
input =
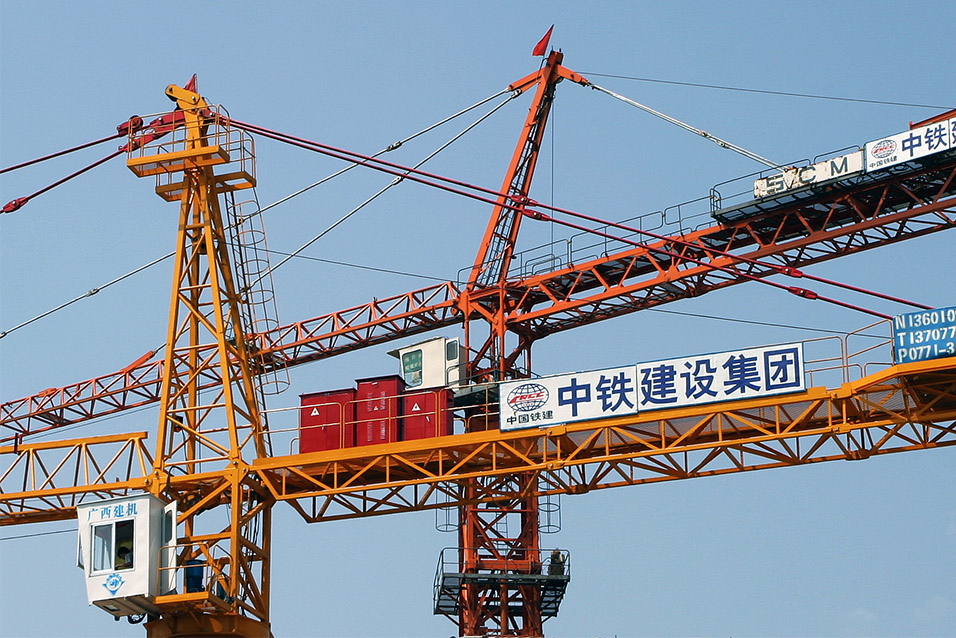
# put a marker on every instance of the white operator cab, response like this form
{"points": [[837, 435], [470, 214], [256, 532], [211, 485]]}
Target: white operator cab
{"points": [[436, 363], [126, 549]]}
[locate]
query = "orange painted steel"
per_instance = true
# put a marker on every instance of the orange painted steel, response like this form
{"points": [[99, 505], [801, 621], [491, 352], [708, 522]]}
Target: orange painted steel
{"points": [[509, 607]]}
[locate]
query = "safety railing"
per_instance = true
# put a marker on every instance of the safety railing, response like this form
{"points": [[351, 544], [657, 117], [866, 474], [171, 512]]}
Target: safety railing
{"points": [[829, 361], [740, 190], [541, 562], [587, 246], [194, 568], [181, 145]]}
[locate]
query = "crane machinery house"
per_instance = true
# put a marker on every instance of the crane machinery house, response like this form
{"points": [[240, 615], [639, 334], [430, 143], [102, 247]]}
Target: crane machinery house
{"points": [[126, 549], [434, 363]]}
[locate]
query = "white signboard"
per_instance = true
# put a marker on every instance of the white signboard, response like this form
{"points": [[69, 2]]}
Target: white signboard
{"points": [[909, 145], [797, 177], [533, 403], [725, 376]]}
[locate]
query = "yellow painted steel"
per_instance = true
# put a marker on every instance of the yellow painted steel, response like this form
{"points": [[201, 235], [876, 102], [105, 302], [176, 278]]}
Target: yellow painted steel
{"points": [[882, 413], [221, 431], [45, 481], [904, 407]]}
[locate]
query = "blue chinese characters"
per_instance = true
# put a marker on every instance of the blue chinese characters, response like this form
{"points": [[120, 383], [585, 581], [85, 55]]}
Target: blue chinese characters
{"points": [[723, 376]]}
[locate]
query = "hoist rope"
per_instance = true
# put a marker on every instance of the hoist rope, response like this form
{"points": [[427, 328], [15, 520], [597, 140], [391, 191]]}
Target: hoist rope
{"points": [[389, 167], [345, 264], [391, 147], [764, 91], [88, 293], [369, 161], [687, 127], [35, 534]]}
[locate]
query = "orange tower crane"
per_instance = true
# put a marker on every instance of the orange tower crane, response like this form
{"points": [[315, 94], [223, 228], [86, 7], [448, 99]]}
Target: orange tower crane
{"points": [[512, 602]]}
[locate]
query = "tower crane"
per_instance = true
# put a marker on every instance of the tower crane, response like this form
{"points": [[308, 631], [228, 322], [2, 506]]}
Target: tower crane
{"points": [[213, 448]]}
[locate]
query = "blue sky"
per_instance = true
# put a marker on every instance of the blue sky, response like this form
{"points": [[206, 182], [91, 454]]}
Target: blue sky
{"points": [[854, 549]]}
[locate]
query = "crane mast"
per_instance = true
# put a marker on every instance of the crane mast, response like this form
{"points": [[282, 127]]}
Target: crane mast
{"points": [[509, 602], [485, 297], [209, 438]]}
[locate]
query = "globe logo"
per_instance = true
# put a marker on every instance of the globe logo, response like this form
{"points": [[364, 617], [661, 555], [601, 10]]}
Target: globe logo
{"points": [[527, 397], [884, 148]]}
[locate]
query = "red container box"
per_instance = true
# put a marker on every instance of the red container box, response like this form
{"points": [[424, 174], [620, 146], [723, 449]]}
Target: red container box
{"points": [[326, 420], [426, 414], [378, 410]]}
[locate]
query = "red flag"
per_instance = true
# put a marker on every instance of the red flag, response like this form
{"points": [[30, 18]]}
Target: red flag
{"points": [[542, 47]]}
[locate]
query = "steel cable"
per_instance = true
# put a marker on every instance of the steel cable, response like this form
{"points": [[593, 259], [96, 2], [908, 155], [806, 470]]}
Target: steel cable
{"points": [[397, 180], [60, 153], [390, 147], [88, 293]]}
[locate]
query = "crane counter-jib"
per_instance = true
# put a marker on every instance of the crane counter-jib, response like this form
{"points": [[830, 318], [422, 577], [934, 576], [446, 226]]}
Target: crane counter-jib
{"points": [[915, 152], [904, 407]]}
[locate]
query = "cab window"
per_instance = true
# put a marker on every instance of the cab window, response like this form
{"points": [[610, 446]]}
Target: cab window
{"points": [[112, 546]]}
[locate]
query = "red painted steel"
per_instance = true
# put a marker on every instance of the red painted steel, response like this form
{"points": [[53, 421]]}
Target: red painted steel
{"points": [[378, 410], [327, 420], [427, 414]]}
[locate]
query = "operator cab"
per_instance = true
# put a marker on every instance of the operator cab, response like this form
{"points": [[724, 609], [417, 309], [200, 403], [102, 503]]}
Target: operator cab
{"points": [[126, 549]]}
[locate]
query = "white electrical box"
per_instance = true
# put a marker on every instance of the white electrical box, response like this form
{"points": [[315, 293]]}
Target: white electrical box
{"points": [[126, 549], [435, 363]]}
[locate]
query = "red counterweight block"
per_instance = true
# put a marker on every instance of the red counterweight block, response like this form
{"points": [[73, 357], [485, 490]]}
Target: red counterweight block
{"points": [[326, 420], [426, 414], [378, 410]]}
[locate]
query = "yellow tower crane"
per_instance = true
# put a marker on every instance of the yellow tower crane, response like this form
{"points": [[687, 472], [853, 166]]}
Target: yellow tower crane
{"points": [[207, 442]]}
